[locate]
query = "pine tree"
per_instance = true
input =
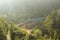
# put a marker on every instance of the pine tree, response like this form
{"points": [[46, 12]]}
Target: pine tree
{"points": [[48, 24]]}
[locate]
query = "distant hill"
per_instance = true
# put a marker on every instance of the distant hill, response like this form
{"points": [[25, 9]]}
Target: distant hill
{"points": [[31, 23]]}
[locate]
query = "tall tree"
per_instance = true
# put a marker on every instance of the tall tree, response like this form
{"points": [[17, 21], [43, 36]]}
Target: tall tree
{"points": [[48, 23]]}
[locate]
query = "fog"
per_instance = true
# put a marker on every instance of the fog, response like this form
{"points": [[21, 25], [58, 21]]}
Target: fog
{"points": [[27, 8]]}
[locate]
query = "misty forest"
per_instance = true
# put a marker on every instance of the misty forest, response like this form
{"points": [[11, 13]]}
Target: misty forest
{"points": [[29, 19]]}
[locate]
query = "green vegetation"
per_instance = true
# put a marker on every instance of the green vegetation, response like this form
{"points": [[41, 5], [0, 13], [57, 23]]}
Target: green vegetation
{"points": [[48, 31]]}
